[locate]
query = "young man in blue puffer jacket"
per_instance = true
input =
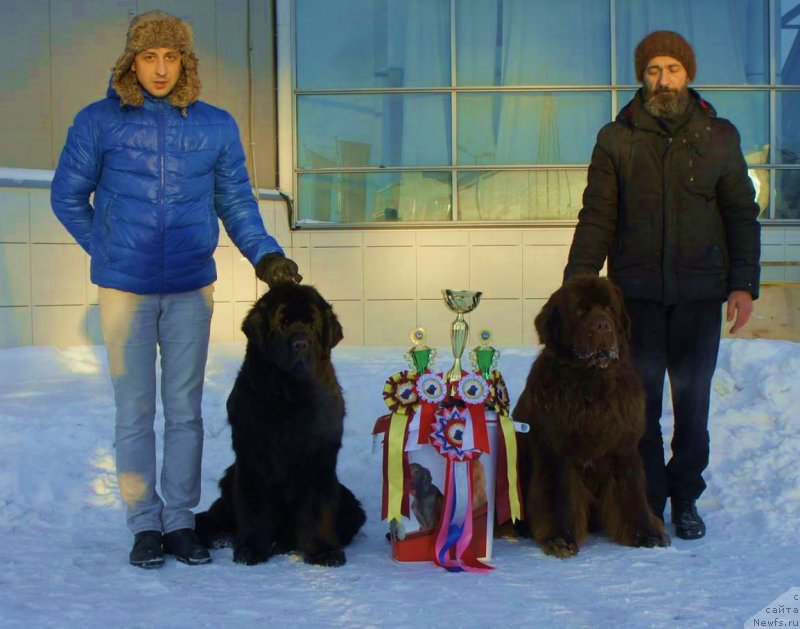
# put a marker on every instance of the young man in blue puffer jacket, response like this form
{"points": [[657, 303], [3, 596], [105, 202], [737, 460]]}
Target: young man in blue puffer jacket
{"points": [[163, 166]]}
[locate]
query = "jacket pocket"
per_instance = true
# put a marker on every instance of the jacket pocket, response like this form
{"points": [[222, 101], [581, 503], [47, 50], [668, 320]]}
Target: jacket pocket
{"points": [[212, 221], [106, 250]]}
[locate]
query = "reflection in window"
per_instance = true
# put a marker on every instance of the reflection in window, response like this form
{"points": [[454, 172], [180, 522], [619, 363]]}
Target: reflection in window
{"points": [[520, 42], [530, 128], [749, 112], [533, 84], [372, 43], [787, 199], [760, 180], [373, 130], [730, 37], [374, 197], [552, 194], [788, 43]]}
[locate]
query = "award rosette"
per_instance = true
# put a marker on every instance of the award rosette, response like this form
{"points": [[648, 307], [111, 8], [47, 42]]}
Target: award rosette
{"points": [[449, 465]]}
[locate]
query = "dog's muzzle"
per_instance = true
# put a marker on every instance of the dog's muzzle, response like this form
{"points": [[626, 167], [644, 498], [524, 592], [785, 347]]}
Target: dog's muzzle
{"points": [[600, 359]]}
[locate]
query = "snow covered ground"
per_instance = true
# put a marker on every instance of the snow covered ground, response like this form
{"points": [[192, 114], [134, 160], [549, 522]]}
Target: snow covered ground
{"points": [[64, 545]]}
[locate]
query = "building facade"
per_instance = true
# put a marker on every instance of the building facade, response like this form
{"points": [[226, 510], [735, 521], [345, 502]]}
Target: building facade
{"points": [[402, 146]]}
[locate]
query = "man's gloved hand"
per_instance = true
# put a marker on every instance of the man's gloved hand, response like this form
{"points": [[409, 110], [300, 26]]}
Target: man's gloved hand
{"points": [[275, 268]]}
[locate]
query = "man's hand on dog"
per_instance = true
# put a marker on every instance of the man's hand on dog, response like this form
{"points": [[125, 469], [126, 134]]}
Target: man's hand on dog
{"points": [[275, 268]]}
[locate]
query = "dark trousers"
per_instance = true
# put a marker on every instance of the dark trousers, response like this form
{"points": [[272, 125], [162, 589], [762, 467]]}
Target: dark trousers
{"points": [[682, 341]]}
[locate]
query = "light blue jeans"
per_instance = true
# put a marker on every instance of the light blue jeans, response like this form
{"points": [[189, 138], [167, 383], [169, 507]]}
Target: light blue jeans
{"points": [[134, 327]]}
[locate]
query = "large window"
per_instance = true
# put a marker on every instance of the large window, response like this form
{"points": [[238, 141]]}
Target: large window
{"points": [[487, 110]]}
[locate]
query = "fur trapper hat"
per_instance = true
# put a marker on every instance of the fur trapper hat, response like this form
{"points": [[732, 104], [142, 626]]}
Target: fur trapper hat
{"points": [[666, 44], [156, 29]]}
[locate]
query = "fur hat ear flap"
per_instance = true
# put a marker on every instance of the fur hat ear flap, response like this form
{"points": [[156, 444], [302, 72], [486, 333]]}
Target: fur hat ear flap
{"points": [[187, 89]]}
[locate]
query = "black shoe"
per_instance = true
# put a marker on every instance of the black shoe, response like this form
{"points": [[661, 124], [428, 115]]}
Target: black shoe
{"points": [[147, 551], [688, 523], [184, 544]]}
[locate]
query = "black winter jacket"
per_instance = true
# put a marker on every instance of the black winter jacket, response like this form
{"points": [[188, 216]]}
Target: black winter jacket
{"points": [[675, 216]]}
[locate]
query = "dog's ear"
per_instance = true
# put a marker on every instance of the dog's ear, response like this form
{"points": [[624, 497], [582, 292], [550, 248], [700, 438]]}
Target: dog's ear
{"points": [[619, 306], [333, 329], [255, 324], [548, 321]]}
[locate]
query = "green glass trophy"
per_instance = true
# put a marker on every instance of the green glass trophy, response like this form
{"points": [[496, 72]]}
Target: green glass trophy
{"points": [[419, 356], [484, 357]]}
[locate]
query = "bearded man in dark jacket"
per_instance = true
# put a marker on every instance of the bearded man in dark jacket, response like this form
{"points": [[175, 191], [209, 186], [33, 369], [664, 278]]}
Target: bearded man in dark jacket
{"points": [[163, 166], [670, 205]]}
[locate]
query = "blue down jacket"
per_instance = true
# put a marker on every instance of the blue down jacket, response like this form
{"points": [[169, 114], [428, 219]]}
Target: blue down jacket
{"points": [[160, 180]]}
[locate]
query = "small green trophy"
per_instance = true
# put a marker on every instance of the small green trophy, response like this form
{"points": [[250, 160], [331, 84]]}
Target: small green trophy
{"points": [[484, 357], [419, 356]]}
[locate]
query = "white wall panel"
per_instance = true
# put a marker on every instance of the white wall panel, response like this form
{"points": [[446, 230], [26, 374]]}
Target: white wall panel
{"points": [[496, 270], [223, 287], [338, 272], [60, 326], [389, 322], [244, 277], [15, 326], [45, 227], [14, 226], [502, 317], [543, 270], [382, 284], [222, 324], [15, 275], [390, 273], [351, 317], [530, 308], [441, 267], [58, 274]]}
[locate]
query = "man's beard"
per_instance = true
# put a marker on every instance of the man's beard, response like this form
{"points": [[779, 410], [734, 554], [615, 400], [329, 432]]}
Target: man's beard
{"points": [[666, 103]]}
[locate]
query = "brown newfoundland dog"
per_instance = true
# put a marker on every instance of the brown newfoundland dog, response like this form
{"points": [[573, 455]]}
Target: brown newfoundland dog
{"points": [[286, 413], [579, 465]]}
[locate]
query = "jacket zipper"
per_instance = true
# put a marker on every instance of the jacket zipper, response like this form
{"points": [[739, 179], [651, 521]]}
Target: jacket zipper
{"points": [[666, 256], [163, 191]]}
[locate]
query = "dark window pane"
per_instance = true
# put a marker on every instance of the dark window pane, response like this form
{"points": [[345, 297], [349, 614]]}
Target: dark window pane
{"points": [[729, 37], [530, 128], [374, 197], [373, 130], [520, 195], [373, 43], [788, 43], [787, 194], [520, 42], [788, 118], [749, 111]]}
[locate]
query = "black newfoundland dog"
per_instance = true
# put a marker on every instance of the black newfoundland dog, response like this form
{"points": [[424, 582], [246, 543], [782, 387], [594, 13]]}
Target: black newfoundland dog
{"points": [[579, 464], [286, 413]]}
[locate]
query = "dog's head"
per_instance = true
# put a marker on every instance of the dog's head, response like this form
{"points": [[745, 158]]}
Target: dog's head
{"points": [[421, 479], [292, 327], [585, 322]]}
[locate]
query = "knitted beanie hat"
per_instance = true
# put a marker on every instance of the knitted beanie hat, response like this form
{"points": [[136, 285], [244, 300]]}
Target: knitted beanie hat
{"points": [[666, 44], [156, 29]]}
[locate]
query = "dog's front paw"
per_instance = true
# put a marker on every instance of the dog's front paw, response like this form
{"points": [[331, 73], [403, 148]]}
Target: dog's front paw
{"points": [[251, 556], [328, 558], [651, 539], [559, 547]]}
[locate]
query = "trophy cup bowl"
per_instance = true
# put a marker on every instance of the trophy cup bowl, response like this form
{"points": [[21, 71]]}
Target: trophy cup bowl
{"points": [[460, 302]]}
